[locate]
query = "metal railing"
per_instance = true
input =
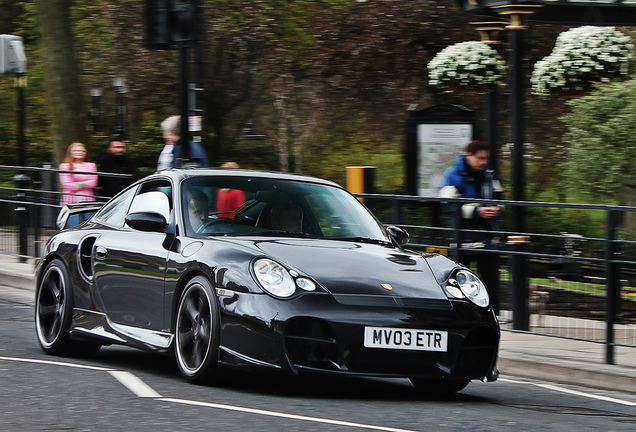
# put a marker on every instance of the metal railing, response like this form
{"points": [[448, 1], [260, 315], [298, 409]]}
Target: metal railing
{"points": [[29, 208], [571, 285]]}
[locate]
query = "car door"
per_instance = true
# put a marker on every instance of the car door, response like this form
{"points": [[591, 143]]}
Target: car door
{"points": [[130, 265]]}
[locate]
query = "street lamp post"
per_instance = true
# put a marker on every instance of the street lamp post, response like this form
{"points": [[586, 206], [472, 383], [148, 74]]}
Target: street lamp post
{"points": [[96, 95], [489, 34], [22, 179], [120, 118], [488, 31], [520, 311]]}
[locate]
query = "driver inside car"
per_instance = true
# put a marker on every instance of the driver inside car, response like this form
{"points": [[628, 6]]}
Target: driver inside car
{"points": [[197, 209]]}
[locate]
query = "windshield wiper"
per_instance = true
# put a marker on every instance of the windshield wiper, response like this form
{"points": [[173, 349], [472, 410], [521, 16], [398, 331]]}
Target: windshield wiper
{"points": [[278, 233], [362, 240]]}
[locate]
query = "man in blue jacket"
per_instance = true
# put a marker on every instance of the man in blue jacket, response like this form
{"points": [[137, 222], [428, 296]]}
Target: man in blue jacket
{"points": [[171, 152], [471, 178]]}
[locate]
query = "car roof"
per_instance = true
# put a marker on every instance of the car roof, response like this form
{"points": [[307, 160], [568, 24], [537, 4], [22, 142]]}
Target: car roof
{"points": [[183, 173]]}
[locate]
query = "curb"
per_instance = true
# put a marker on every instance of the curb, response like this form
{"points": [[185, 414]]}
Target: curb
{"points": [[606, 377], [25, 282]]}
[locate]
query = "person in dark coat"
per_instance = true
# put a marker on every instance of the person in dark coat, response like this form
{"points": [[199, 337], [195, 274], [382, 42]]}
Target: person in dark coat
{"points": [[471, 178], [172, 150], [115, 162]]}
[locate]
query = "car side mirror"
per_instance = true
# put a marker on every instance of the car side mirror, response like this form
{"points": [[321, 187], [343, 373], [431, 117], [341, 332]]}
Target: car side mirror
{"points": [[147, 221], [399, 234]]}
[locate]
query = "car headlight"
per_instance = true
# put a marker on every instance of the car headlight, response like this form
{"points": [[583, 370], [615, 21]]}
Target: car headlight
{"points": [[274, 278], [465, 284]]}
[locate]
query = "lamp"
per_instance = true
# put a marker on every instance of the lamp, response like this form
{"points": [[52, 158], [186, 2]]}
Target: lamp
{"points": [[250, 132], [489, 30], [515, 12], [96, 95], [120, 117]]}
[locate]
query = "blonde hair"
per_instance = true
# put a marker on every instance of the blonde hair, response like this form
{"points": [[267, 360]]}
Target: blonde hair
{"points": [[172, 124], [69, 159]]}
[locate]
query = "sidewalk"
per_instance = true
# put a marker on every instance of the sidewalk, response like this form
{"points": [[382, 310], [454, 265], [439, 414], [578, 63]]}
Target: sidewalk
{"points": [[520, 354]]}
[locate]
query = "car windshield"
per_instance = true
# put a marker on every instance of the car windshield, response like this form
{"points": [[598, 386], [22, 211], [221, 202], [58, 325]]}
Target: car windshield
{"points": [[241, 206]]}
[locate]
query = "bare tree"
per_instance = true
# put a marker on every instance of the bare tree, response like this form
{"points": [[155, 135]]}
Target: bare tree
{"points": [[64, 101], [298, 109]]}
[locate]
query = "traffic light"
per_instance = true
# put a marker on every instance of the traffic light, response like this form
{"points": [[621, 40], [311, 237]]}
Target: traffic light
{"points": [[181, 19], [199, 20], [171, 21], [157, 29]]}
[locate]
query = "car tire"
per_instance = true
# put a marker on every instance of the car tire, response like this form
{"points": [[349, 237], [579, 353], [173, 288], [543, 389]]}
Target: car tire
{"points": [[54, 309], [197, 332], [432, 387]]}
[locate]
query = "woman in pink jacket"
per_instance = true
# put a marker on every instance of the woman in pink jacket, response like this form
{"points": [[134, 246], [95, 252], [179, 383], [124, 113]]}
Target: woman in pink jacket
{"points": [[80, 184]]}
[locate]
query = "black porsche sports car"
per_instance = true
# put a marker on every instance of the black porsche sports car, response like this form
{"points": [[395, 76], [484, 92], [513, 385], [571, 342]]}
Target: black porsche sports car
{"points": [[267, 271]]}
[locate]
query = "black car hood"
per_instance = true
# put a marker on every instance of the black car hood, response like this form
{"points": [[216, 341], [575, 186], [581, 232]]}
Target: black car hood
{"points": [[353, 268]]}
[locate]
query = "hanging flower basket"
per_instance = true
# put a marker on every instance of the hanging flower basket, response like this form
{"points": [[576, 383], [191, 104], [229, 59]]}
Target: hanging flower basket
{"points": [[582, 57], [467, 66]]}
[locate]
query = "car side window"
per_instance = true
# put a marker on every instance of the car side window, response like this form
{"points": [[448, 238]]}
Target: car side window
{"points": [[114, 212]]}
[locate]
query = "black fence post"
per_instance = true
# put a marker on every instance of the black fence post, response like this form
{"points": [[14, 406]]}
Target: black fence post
{"points": [[22, 214], [612, 290], [36, 212], [457, 230], [49, 184], [520, 292], [436, 221], [396, 211]]}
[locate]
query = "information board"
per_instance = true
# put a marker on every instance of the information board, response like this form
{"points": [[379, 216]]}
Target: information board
{"points": [[438, 147], [435, 136]]}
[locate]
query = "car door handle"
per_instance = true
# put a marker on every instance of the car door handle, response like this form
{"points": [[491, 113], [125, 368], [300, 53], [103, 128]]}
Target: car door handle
{"points": [[101, 252]]}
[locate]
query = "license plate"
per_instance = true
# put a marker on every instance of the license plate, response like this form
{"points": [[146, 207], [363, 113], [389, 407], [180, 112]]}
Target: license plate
{"points": [[406, 339]]}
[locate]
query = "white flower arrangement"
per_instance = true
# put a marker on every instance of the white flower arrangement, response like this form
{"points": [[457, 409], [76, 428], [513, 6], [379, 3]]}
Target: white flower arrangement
{"points": [[466, 64], [582, 56]]}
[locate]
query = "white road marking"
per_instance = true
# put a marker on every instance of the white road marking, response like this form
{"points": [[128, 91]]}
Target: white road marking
{"points": [[130, 381], [588, 395], [134, 384], [56, 363], [283, 415], [141, 389], [572, 392]]}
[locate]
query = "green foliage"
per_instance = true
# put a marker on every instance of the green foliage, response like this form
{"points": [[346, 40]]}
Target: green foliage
{"points": [[351, 143], [146, 149], [254, 154], [556, 221], [602, 143], [26, 23]]}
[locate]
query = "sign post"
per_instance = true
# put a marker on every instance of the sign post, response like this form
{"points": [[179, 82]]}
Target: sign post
{"points": [[435, 136]]}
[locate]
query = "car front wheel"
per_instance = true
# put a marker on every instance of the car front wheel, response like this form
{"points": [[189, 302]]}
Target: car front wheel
{"points": [[53, 309], [197, 332]]}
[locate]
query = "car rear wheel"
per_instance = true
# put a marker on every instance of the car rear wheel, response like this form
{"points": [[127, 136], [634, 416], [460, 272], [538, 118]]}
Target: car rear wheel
{"points": [[432, 387], [197, 332], [53, 309]]}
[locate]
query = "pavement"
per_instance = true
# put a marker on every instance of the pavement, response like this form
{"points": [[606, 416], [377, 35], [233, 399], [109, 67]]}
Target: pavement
{"points": [[521, 354]]}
